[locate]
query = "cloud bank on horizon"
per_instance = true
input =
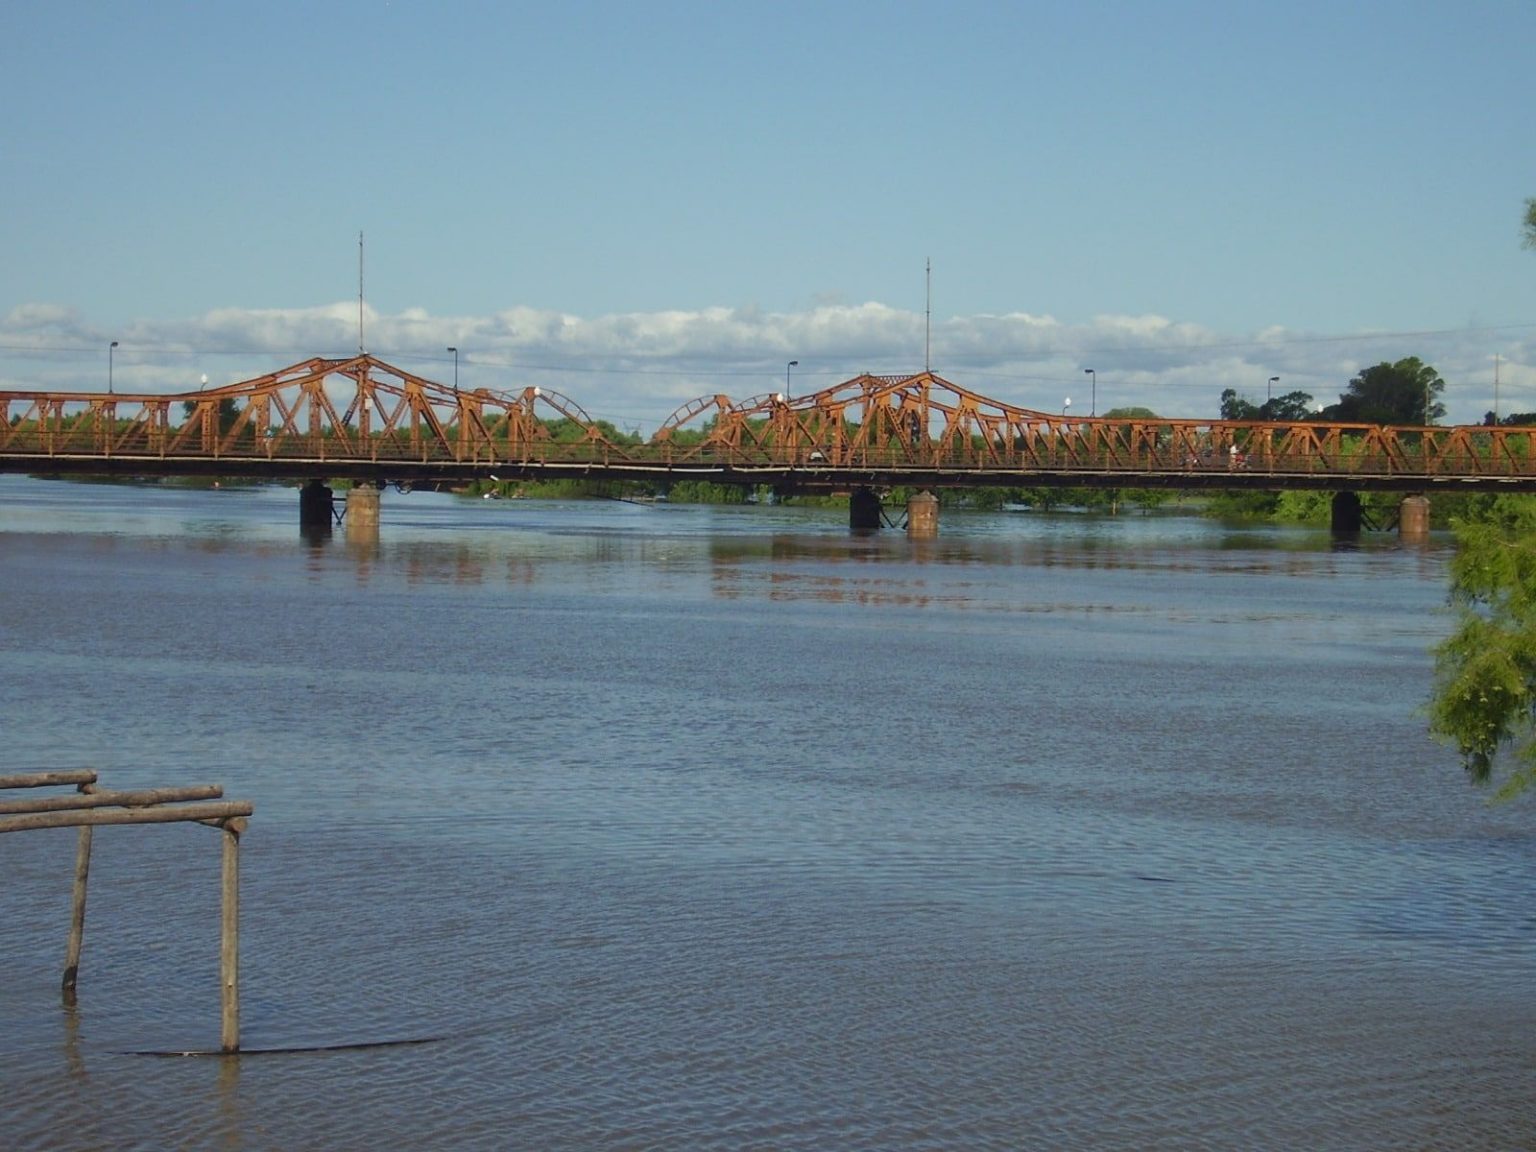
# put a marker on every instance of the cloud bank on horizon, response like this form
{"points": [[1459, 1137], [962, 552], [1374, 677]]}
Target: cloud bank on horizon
{"points": [[634, 369]]}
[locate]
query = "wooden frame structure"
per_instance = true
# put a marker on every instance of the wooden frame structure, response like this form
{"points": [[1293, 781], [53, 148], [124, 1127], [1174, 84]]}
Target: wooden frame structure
{"points": [[88, 806]]}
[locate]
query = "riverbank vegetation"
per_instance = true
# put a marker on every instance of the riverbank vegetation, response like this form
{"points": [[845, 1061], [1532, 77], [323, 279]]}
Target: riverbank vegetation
{"points": [[1484, 700]]}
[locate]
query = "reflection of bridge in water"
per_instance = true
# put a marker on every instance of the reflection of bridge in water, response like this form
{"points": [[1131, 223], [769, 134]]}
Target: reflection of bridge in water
{"points": [[364, 421]]}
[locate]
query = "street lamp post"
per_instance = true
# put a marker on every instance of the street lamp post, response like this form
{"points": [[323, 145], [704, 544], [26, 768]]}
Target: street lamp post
{"points": [[787, 367], [1065, 404], [1269, 389], [110, 347], [1093, 398], [455, 352]]}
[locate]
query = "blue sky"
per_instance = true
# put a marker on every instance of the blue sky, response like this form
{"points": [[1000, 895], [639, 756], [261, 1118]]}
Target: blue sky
{"points": [[637, 204]]}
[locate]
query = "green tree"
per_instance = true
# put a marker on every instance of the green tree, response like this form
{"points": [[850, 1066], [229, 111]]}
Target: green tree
{"points": [[1513, 420], [1234, 407], [1292, 408], [1484, 699], [1242, 505], [1485, 673], [1400, 393]]}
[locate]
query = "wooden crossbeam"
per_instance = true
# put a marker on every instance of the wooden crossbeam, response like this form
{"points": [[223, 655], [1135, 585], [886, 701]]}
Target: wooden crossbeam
{"points": [[49, 779], [98, 799], [159, 814]]}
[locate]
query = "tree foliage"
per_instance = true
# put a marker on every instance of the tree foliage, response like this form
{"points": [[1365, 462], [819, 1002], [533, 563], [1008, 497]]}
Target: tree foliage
{"points": [[1292, 408], [1242, 504], [1400, 393], [1528, 226], [1235, 407], [1484, 700]]}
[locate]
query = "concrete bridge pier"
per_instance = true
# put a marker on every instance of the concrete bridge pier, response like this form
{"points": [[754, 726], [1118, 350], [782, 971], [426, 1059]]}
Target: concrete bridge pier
{"points": [[1413, 518], [923, 515], [317, 509], [1347, 516], [362, 517], [864, 510]]}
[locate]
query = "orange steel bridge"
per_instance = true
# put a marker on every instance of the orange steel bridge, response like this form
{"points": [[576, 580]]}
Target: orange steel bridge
{"points": [[362, 419]]}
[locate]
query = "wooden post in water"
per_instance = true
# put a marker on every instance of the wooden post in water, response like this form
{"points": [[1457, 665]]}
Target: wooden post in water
{"points": [[77, 915], [229, 940], [91, 806]]}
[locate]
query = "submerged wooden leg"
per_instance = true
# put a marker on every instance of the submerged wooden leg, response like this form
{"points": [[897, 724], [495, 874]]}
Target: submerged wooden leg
{"points": [[77, 916], [229, 939]]}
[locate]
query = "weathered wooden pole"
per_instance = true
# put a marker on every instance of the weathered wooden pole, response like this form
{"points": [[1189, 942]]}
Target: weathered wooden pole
{"points": [[217, 812], [77, 915], [97, 798], [229, 940], [48, 779]]}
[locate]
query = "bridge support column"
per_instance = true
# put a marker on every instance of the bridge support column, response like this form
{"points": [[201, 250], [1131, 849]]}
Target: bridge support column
{"points": [[362, 518], [1347, 517], [864, 510], [923, 515], [317, 508], [1413, 518]]}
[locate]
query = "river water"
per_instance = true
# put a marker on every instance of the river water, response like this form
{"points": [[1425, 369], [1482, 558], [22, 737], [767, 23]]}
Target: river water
{"points": [[667, 827]]}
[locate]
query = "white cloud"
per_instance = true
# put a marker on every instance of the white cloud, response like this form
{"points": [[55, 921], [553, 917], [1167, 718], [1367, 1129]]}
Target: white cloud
{"points": [[636, 368]]}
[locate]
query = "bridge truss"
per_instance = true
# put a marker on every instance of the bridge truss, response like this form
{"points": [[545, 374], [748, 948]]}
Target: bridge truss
{"points": [[364, 419]]}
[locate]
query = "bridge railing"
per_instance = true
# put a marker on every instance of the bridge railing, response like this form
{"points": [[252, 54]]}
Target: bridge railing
{"points": [[1477, 456], [1346, 459]]}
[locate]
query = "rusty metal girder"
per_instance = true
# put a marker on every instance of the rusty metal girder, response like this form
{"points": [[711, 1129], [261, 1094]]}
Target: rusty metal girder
{"points": [[359, 408], [361, 415]]}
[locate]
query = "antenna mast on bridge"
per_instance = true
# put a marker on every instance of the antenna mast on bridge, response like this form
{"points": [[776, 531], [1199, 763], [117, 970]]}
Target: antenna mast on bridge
{"points": [[359, 292]]}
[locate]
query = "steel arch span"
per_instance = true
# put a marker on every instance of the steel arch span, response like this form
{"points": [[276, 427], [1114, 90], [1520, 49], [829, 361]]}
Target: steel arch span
{"points": [[923, 428], [362, 418], [351, 416]]}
